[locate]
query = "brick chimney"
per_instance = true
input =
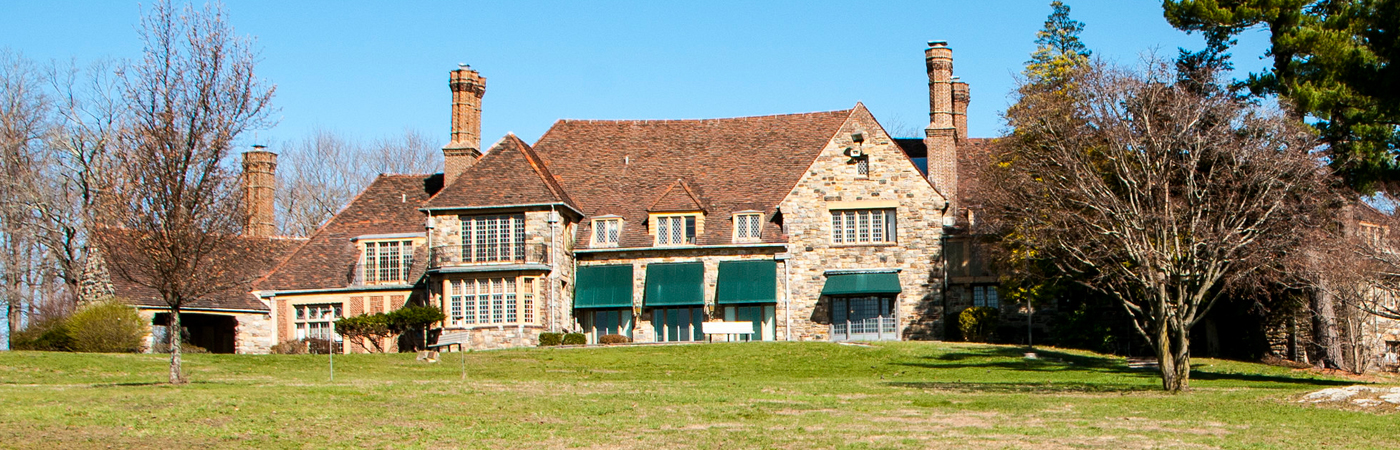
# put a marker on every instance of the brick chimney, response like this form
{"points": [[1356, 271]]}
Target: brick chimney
{"points": [[942, 134], [468, 87], [259, 190], [961, 96]]}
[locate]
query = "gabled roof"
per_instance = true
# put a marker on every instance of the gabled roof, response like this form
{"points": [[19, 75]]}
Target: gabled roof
{"points": [[389, 205], [245, 259], [509, 174], [678, 197], [748, 163]]}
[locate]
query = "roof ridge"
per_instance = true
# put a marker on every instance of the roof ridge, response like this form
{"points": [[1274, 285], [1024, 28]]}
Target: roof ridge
{"points": [[536, 163], [712, 119]]}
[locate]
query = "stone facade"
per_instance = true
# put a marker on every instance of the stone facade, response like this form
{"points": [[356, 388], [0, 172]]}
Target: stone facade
{"points": [[893, 181], [254, 334]]}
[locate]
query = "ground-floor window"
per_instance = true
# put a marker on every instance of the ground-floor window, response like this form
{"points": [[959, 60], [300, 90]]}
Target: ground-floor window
{"points": [[600, 322], [762, 317], [863, 317], [317, 321], [678, 324], [985, 295], [482, 301]]}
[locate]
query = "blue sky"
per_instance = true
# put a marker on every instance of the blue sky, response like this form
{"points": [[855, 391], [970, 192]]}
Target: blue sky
{"points": [[372, 69]]}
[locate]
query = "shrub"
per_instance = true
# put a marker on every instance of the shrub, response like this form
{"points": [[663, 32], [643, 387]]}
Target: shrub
{"points": [[289, 347], [551, 339], [575, 339], [977, 323], [107, 327], [613, 339], [367, 329], [50, 335]]}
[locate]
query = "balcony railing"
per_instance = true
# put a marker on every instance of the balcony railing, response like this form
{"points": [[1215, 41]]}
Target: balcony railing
{"points": [[469, 255], [872, 329]]}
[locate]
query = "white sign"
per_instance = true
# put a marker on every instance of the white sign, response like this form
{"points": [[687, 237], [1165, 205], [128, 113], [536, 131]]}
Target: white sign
{"points": [[727, 327]]}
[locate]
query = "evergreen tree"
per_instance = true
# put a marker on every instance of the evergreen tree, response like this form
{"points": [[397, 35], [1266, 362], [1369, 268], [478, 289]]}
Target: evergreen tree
{"points": [[1058, 48]]}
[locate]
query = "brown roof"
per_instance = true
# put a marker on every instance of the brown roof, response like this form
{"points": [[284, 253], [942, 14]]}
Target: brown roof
{"points": [[624, 167], [973, 155], [247, 258], [509, 174], [327, 261]]}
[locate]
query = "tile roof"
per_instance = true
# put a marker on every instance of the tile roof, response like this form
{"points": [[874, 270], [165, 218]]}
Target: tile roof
{"points": [[389, 205], [973, 155], [509, 174], [248, 258], [624, 167]]}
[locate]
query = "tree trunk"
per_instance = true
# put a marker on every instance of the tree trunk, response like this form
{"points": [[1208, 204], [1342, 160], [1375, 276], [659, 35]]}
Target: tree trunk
{"points": [[176, 341], [1173, 357], [1325, 330]]}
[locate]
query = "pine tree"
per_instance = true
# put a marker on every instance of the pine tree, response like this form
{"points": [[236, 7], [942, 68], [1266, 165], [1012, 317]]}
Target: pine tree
{"points": [[1058, 48]]}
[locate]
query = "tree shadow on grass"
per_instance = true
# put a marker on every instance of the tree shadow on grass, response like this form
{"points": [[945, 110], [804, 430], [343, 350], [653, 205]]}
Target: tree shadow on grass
{"points": [[1047, 361], [155, 383]]}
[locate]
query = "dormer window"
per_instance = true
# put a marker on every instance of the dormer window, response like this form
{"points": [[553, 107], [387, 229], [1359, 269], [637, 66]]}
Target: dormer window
{"points": [[675, 229], [386, 262], [747, 226], [606, 231]]}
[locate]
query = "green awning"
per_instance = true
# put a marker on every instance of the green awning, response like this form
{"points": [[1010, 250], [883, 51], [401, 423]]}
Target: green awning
{"points": [[747, 282], [603, 287], [678, 284], [861, 283]]}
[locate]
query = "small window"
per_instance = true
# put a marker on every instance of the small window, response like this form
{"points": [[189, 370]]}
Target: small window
{"points": [[386, 262], [985, 296], [606, 232], [675, 230], [863, 226], [747, 227], [863, 166]]}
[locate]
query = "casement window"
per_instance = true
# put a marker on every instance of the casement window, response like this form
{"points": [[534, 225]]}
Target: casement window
{"points": [[386, 262], [863, 226], [985, 296], [863, 166], [747, 226], [490, 301], [675, 230], [606, 232], [317, 321], [497, 238]]}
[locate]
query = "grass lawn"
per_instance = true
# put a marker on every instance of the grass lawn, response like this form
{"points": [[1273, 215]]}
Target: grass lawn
{"points": [[755, 395]]}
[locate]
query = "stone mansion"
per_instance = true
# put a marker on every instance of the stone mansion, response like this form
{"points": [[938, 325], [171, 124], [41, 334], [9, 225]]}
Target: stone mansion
{"points": [[810, 226]]}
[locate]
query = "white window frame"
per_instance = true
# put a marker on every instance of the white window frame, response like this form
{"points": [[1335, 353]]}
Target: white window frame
{"points": [[676, 230], [864, 226], [489, 301], [748, 226], [386, 261], [493, 238], [607, 231], [317, 320]]}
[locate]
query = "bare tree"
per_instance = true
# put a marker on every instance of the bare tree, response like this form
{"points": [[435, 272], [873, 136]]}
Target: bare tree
{"points": [[173, 219], [319, 174], [1157, 195], [24, 110]]}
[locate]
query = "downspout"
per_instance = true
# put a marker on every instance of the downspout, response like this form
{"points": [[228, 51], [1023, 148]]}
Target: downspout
{"points": [[553, 271], [943, 254]]}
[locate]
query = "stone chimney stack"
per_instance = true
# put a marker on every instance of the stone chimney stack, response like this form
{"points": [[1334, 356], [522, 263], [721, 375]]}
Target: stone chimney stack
{"points": [[468, 87], [941, 136], [259, 191]]}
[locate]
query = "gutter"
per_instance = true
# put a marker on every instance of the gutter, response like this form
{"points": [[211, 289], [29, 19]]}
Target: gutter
{"points": [[682, 248], [379, 287], [185, 309], [493, 207]]}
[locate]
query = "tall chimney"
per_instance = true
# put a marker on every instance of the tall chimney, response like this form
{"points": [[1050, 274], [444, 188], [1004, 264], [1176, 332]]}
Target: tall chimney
{"points": [[259, 190], [961, 97], [941, 135], [468, 87]]}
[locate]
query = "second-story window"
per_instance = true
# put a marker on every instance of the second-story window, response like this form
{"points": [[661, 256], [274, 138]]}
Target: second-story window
{"points": [[497, 238], [606, 232], [746, 226], [675, 230], [862, 226], [386, 262]]}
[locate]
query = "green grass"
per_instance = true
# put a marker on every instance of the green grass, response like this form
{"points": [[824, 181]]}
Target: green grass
{"points": [[757, 395]]}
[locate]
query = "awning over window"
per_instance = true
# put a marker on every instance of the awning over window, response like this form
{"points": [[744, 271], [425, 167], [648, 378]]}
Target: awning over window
{"points": [[603, 287], [747, 282], [861, 283], [680, 284]]}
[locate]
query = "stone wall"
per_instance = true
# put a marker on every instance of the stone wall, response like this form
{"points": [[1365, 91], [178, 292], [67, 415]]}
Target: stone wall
{"points": [[253, 334], [916, 252]]}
